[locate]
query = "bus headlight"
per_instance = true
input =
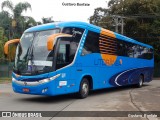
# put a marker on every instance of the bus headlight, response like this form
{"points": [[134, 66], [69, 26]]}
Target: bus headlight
{"points": [[13, 79]]}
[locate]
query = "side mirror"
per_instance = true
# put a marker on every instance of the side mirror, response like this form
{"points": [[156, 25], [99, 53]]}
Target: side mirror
{"points": [[51, 39], [6, 46]]}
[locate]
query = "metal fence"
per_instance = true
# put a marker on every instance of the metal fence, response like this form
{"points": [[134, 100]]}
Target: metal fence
{"points": [[6, 69]]}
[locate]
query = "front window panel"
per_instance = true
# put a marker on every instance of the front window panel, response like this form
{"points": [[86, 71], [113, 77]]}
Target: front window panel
{"points": [[42, 58], [22, 52], [32, 55], [67, 47], [63, 53]]}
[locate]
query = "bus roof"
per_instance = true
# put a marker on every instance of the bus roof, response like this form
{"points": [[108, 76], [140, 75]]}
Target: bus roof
{"points": [[81, 25], [63, 24]]}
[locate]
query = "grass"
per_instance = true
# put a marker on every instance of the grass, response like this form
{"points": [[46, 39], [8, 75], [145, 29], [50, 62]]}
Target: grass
{"points": [[5, 80]]}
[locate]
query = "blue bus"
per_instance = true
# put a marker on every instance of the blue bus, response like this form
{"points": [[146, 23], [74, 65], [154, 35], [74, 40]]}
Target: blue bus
{"points": [[76, 57]]}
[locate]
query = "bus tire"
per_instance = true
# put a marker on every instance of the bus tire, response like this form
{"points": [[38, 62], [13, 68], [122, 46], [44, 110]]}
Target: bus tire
{"points": [[84, 88], [140, 81]]}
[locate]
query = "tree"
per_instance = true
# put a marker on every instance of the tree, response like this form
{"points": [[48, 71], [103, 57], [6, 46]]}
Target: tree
{"points": [[13, 23], [47, 20], [19, 22], [100, 18], [5, 21], [142, 20], [12, 47], [3, 39]]}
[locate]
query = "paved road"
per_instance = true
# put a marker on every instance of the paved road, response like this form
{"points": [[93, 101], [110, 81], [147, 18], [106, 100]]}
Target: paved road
{"points": [[130, 98]]}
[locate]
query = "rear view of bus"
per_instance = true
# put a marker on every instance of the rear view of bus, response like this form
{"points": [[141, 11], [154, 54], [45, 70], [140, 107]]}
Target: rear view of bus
{"points": [[70, 57]]}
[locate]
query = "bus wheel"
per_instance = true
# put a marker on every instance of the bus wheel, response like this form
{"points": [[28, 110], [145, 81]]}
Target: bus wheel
{"points": [[84, 88], [140, 81]]}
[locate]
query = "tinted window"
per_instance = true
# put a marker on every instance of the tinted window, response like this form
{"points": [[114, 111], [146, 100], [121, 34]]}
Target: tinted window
{"points": [[146, 53], [96, 43], [76, 37], [67, 47], [121, 48], [128, 49], [91, 44], [125, 48], [107, 45], [63, 53], [75, 32], [61, 56], [137, 52]]}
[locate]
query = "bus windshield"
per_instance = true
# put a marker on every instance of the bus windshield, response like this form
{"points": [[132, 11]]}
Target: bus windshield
{"points": [[32, 55]]}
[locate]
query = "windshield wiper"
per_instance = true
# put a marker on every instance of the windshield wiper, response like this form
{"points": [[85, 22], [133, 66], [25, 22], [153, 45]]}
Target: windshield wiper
{"points": [[33, 67]]}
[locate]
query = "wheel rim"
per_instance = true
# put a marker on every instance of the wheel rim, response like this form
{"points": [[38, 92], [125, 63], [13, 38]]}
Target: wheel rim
{"points": [[85, 88]]}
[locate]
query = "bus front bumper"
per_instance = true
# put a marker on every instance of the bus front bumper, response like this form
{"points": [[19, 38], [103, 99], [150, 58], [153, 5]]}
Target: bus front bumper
{"points": [[42, 87]]}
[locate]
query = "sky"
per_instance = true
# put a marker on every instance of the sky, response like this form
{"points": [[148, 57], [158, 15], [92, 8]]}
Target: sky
{"points": [[59, 9]]}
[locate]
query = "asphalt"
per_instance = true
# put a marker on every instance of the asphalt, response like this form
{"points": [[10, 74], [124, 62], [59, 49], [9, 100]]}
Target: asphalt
{"points": [[127, 98]]}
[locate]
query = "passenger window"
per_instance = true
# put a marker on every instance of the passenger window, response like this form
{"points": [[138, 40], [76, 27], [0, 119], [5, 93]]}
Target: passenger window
{"points": [[76, 37], [137, 52], [147, 53], [91, 44], [130, 51], [121, 48]]}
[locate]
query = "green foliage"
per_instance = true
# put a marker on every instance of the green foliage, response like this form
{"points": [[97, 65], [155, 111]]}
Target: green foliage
{"points": [[7, 18], [19, 8], [3, 39], [5, 22], [142, 20], [20, 22], [47, 20], [100, 18], [7, 4]]}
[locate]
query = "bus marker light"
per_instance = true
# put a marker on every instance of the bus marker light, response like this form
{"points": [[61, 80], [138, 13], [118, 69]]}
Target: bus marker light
{"points": [[44, 90]]}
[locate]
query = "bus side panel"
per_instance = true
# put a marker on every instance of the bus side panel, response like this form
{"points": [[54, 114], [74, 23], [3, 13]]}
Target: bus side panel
{"points": [[123, 72], [93, 65], [65, 83], [85, 67], [130, 70], [131, 76]]}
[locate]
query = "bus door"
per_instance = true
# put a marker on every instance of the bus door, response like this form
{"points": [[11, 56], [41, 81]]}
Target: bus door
{"points": [[63, 66]]}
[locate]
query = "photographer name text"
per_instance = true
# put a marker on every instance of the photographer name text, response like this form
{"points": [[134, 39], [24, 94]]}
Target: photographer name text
{"points": [[75, 4], [142, 116]]}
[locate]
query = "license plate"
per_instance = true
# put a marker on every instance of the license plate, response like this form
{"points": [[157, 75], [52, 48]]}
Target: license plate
{"points": [[25, 90]]}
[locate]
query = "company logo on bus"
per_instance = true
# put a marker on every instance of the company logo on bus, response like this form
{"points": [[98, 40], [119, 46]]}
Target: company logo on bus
{"points": [[109, 59]]}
